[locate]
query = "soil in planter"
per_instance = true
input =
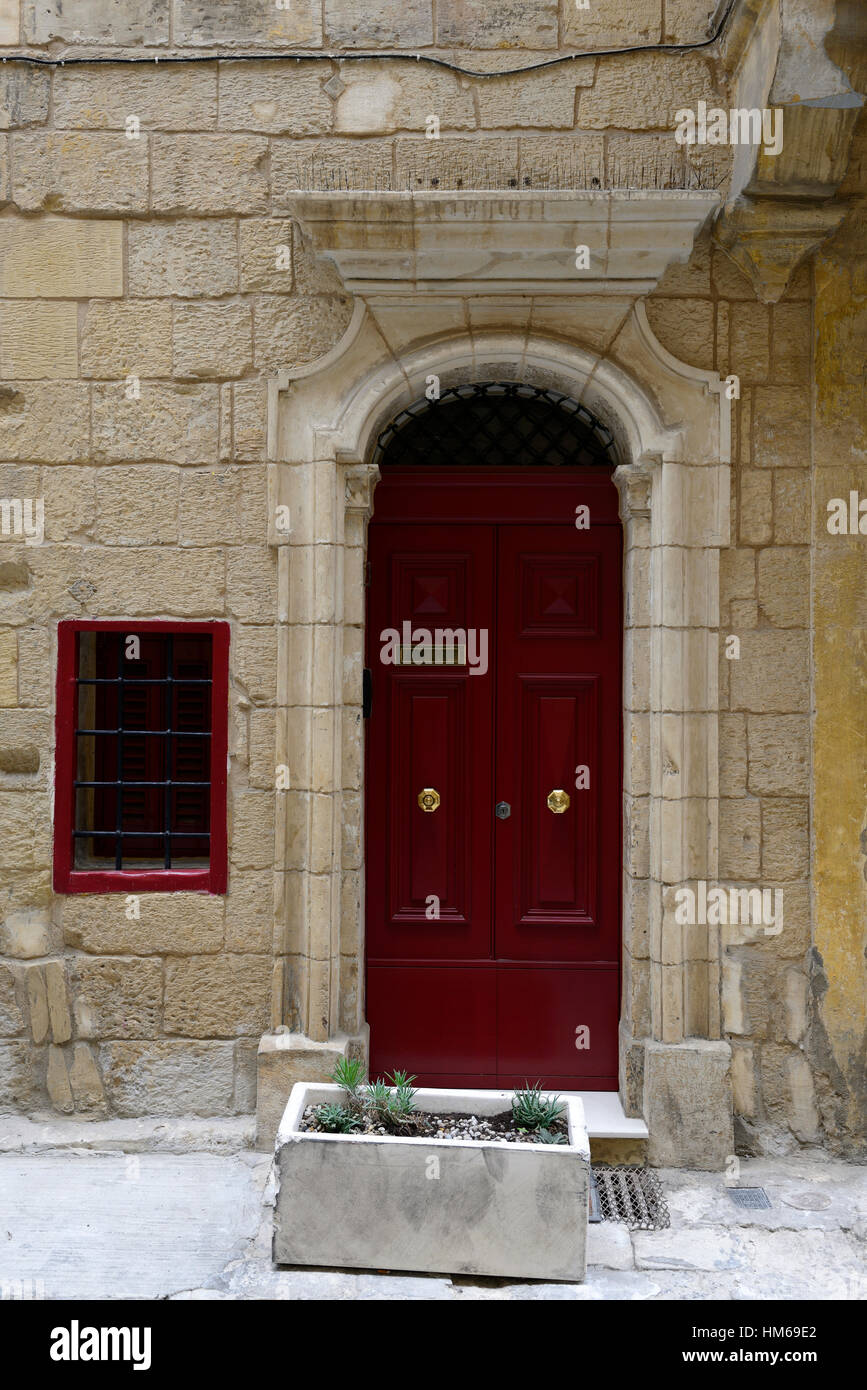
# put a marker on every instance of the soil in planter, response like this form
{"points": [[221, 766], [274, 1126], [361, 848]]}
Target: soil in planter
{"points": [[422, 1125]]}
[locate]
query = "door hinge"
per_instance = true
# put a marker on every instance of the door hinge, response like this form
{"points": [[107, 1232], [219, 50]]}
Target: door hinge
{"points": [[366, 692]]}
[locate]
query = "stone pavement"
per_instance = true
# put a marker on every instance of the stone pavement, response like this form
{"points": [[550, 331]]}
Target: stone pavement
{"points": [[175, 1210]]}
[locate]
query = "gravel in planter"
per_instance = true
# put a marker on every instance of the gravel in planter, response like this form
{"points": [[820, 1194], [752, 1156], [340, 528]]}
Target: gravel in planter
{"points": [[450, 1126]]}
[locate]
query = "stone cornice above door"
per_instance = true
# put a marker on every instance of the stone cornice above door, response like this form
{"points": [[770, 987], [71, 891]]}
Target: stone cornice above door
{"points": [[465, 243]]}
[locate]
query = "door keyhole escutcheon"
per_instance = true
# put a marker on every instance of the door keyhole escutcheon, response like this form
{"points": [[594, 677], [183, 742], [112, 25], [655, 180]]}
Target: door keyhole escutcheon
{"points": [[428, 798], [558, 801], [502, 810]]}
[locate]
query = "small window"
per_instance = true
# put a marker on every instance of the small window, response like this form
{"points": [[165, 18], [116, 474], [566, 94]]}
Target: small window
{"points": [[141, 757]]}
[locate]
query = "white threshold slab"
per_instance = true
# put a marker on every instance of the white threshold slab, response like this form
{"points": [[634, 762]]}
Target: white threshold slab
{"points": [[604, 1117]]}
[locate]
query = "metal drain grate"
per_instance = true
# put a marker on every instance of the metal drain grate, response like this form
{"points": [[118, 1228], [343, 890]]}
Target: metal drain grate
{"points": [[632, 1196], [751, 1197]]}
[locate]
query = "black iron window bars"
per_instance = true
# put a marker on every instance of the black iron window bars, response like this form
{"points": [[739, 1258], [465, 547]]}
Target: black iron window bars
{"points": [[146, 808]]}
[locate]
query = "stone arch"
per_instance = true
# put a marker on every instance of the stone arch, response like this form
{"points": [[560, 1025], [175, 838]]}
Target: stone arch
{"points": [[671, 424]]}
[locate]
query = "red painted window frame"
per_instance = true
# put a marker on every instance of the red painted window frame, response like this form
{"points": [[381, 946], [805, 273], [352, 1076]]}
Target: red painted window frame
{"points": [[67, 879]]}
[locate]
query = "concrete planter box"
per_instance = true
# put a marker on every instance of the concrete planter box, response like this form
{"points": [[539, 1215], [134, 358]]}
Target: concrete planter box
{"points": [[444, 1206]]}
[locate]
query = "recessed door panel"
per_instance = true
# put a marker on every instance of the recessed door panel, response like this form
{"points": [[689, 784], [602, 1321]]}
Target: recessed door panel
{"points": [[556, 875], [556, 1022], [430, 731], [433, 1019]]}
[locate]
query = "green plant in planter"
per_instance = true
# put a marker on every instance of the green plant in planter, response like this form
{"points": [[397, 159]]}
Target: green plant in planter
{"points": [[337, 1119], [348, 1073], [530, 1111], [392, 1106], [545, 1136]]}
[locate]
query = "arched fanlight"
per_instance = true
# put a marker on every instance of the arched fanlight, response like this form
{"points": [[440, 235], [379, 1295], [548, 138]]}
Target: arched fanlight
{"points": [[497, 423]]}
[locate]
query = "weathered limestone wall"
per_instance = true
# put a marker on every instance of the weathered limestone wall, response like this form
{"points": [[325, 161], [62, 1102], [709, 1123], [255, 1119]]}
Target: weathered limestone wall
{"points": [[836, 1027], [148, 288]]}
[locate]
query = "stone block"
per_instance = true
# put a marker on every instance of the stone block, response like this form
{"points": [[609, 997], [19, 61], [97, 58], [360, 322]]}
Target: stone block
{"points": [[24, 93], [212, 340], [611, 24], [35, 675], [786, 839], [141, 582], [533, 100], [291, 331], [791, 507], [137, 506], [187, 258], [732, 755], [324, 164], [8, 668], [263, 737], [254, 661], [19, 1089], [209, 174], [784, 586], [383, 97], [508, 24], [791, 344], [772, 673], [249, 417], [250, 912], [755, 509], [70, 512], [781, 429], [284, 1059], [176, 924], [379, 24], [265, 249], [175, 423], [28, 932], [312, 275], [252, 583], [558, 161], [85, 1080], [116, 997], [60, 258], [11, 1012], [9, 18], [687, 1104], [168, 1077], [473, 162], [749, 342], [226, 996], [802, 1111], [131, 338], [643, 91], [740, 839], [97, 22], [57, 1081], [223, 505], [779, 755], [80, 171], [38, 340], [275, 98], [685, 328], [240, 24], [251, 836], [25, 831], [163, 98], [44, 423], [58, 1003]]}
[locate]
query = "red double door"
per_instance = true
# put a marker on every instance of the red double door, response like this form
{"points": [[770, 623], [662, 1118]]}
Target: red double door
{"points": [[494, 778]]}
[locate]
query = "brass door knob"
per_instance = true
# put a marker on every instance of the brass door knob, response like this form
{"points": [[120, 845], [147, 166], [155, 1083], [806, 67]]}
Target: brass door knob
{"points": [[558, 801], [428, 798]]}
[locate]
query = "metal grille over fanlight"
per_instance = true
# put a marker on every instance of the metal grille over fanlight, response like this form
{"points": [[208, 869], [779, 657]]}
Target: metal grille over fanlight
{"points": [[496, 423]]}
